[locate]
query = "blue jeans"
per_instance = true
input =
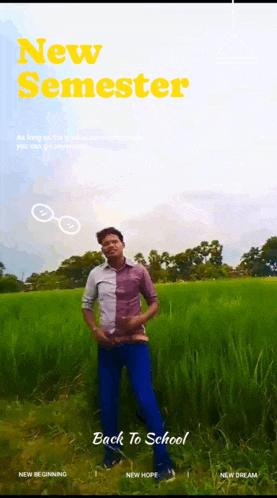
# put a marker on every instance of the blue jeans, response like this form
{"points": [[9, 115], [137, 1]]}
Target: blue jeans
{"points": [[136, 357]]}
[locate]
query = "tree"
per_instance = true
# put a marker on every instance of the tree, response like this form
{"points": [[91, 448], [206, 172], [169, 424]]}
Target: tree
{"points": [[90, 260], [216, 253], [196, 259], [227, 270], [71, 268], [251, 261], [139, 259], [33, 279], [183, 263], [205, 250], [166, 259], [203, 271], [155, 266], [269, 255], [2, 269], [154, 259], [77, 268], [72, 272], [10, 283]]}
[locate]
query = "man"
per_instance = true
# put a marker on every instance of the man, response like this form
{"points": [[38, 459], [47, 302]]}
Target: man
{"points": [[122, 340]]}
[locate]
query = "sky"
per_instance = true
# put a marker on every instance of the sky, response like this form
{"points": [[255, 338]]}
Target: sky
{"points": [[167, 172]]}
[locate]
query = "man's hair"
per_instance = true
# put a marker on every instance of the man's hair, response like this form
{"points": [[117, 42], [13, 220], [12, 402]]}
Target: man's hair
{"points": [[108, 231]]}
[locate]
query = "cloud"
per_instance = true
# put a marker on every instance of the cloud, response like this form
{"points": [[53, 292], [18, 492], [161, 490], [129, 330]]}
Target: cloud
{"points": [[40, 246], [162, 229], [238, 221]]}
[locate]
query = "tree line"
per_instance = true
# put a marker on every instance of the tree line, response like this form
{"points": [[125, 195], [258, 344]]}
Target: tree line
{"points": [[199, 263], [8, 281]]}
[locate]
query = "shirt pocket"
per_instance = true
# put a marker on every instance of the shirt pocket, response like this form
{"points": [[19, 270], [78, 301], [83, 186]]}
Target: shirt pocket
{"points": [[107, 288]]}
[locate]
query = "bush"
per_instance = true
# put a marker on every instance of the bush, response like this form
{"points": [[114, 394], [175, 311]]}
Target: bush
{"points": [[9, 284]]}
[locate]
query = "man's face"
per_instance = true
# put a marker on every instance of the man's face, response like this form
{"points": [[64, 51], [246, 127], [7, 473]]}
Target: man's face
{"points": [[112, 247]]}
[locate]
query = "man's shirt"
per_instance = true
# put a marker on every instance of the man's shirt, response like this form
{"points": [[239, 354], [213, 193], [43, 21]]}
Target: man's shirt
{"points": [[118, 292]]}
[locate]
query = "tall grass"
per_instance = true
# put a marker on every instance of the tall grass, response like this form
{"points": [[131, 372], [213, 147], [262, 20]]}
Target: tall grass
{"points": [[213, 349], [44, 340], [215, 358]]}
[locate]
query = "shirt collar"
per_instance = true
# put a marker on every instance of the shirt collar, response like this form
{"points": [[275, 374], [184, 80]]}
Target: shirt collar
{"points": [[128, 262]]}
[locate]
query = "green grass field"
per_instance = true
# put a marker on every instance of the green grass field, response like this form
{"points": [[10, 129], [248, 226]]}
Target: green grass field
{"points": [[213, 348]]}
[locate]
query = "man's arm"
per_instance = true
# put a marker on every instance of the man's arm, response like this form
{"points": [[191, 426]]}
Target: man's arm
{"points": [[152, 310], [96, 333], [88, 317], [89, 296], [131, 323], [148, 291]]}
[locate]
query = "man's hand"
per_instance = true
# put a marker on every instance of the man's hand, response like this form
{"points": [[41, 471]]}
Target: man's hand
{"points": [[97, 333], [102, 337], [131, 323]]}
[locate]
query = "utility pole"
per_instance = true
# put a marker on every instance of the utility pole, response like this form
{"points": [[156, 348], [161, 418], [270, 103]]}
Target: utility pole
{"points": [[23, 271]]}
